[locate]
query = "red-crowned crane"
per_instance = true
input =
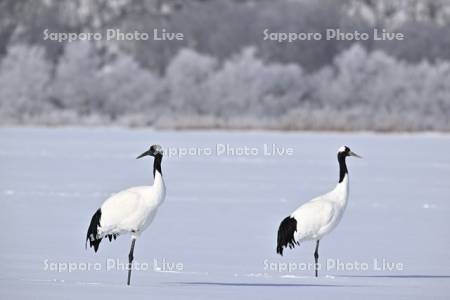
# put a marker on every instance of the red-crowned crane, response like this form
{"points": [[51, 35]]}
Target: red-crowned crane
{"points": [[129, 211], [319, 216]]}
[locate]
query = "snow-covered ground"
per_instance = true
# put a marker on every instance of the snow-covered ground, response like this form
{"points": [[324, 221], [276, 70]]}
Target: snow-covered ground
{"points": [[221, 215]]}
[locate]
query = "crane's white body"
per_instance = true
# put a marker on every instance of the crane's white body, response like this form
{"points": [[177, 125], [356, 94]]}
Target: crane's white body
{"points": [[132, 210], [322, 214]]}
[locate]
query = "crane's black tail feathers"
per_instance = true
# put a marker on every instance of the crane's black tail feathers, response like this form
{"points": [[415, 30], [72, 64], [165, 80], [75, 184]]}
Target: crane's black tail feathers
{"points": [[111, 236], [92, 233], [286, 235]]}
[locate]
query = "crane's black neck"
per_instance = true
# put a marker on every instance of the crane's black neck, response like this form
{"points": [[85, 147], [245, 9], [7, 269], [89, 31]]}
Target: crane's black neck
{"points": [[342, 166], [157, 164]]}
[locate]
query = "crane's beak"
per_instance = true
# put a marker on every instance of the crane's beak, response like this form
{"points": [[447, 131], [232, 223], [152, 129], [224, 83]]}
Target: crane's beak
{"points": [[144, 154], [351, 153]]}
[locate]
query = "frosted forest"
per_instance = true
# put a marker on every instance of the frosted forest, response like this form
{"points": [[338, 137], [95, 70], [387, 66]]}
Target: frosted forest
{"points": [[227, 76]]}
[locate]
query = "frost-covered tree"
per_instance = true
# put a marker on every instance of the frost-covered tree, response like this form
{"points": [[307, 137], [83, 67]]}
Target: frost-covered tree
{"points": [[245, 85], [186, 77], [127, 88], [355, 78], [76, 85], [86, 84], [24, 76]]}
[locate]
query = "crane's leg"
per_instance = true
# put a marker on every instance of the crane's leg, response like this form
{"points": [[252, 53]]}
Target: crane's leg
{"points": [[130, 259], [316, 257]]}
